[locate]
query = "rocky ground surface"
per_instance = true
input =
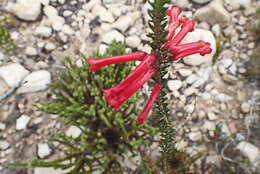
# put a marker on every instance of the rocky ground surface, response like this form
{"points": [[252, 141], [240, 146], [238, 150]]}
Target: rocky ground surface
{"points": [[207, 99]]}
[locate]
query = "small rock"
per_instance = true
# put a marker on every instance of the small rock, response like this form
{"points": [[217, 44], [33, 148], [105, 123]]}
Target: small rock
{"points": [[45, 170], [104, 15], [102, 49], [43, 31], [213, 13], [226, 62], [3, 87], [191, 79], [31, 51], [250, 151], [213, 159], [201, 1], [113, 35], [28, 10], [223, 97], [67, 13], [245, 107], [212, 116], [209, 125], [133, 41], [13, 74], [50, 46], [196, 35], [185, 72], [73, 131], [235, 5], [36, 81], [67, 30], [123, 23], [189, 91], [4, 145], [204, 75], [2, 126], [45, 2], [57, 23], [184, 4], [216, 29], [44, 150], [195, 136], [181, 145], [225, 129], [174, 85], [50, 11], [21, 122], [114, 1]]}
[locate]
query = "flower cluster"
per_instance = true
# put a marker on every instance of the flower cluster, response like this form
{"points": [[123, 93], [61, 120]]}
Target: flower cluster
{"points": [[150, 63]]}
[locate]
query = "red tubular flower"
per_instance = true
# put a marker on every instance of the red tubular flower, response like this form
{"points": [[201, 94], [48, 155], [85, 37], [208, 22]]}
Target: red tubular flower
{"points": [[188, 26], [140, 70], [116, 97], [180, 51], [155, 93], [173, 12], [95, 64]]}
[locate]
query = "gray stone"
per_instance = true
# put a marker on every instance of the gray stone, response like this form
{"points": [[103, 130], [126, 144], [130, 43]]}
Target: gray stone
{"points": [[213, 13], [67, 30], [174, 85], [114, 1], [212, 116], [50, 46], [44, 150], [73, 131], [195, 136], [113, 35], [245, 107], [184, 4], [45, 170], [21, 122], [28, 10], [103, 13], [250, 151], [209, 125], [204, 74], [31, 51], [196, 35], [123, 23], [102, 49], [2, 126], [216, 29], [189, 91], [50, 11], [13, 74], [191, 79], [201, 1], [43, 31], [184, 72], [36, 81], [45, 2], [133, 41], [4, 145], [57, 23], [235, 5]]}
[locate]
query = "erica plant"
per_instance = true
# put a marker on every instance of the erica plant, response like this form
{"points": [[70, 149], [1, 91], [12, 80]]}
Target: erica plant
{"points": [[166, 47]]}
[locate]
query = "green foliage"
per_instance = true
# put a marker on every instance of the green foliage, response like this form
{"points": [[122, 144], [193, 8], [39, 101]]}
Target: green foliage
{"points": [[107, 136], [157, 24], [6, 43]]}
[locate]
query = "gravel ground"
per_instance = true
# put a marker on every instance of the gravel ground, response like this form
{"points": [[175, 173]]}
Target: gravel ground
{"points": [[205, 97]]}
